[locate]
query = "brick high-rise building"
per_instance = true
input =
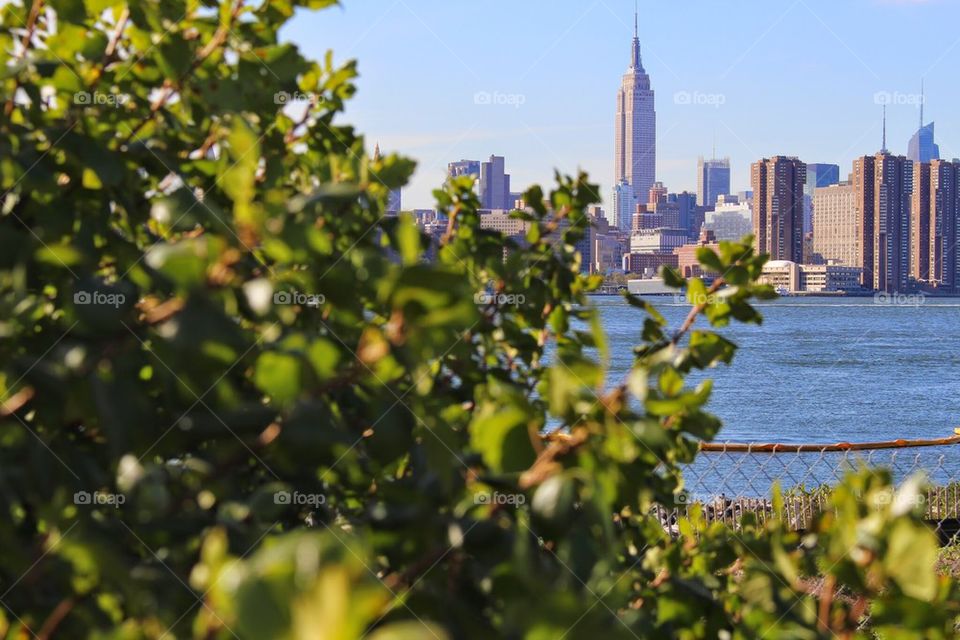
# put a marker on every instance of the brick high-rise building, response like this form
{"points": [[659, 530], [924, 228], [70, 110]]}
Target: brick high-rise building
{"points": [[657, 194], [920, 222], [778, 207], [882, 186], [935, 208]]}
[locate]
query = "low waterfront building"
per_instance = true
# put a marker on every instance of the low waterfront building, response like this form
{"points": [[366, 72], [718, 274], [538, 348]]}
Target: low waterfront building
{"points": [[789, 277], [829, 278], [782, 275], [649, 287]]}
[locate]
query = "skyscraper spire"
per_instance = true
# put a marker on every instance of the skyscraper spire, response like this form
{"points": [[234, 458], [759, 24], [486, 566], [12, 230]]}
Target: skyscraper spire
{"points": [[635, 62], [883, 148]]}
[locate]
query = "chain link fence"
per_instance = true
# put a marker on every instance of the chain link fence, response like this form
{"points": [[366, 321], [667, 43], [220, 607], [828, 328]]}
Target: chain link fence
{"points": [[728, 480]]}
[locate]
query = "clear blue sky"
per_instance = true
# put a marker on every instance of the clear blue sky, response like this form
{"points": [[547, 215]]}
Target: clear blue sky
{"points": [[794, 77]]}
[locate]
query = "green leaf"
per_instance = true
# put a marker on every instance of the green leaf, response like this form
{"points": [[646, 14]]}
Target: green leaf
{"points": [[501, 436], [408, 240], [324, 356], [911, 558], [278, 375], [710, 260]]}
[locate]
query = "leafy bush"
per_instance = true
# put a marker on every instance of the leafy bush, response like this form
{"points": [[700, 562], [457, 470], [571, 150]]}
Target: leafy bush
{"points": [[238, 403]]}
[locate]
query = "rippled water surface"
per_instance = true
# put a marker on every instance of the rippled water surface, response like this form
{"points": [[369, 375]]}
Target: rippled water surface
{"points": [[824, 369]]}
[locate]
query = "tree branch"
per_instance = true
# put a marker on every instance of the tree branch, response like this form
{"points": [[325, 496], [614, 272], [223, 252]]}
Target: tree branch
{"points": [[31, 28]]}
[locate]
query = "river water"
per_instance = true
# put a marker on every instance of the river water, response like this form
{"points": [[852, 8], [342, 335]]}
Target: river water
{"points": [[824, 370]]}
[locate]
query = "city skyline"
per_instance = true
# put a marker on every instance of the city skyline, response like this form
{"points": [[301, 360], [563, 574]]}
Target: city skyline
{"points": [[544, 102]]}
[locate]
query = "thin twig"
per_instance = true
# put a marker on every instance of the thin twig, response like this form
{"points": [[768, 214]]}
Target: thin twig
{"points": [[56, 617], [31, 27], [168, 87]]}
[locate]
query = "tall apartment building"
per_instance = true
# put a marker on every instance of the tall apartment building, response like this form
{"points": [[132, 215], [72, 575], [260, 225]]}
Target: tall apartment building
{"points": [[494, 184], [713, 180], [935, 212], [778, 207], [882, 186], [838, 236], [635, 155]]}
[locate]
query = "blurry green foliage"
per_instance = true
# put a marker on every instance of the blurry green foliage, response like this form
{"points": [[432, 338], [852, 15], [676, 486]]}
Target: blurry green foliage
{"points": [[238, 403]]}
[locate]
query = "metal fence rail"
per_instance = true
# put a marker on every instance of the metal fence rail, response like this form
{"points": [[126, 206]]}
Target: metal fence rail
{"points": [[730, 479]]}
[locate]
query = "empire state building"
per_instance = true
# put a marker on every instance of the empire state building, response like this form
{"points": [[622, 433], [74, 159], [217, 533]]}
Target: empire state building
{"points": [[636, 130]]}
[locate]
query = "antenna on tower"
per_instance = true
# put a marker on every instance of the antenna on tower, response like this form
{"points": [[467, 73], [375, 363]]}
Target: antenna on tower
{"points": [[635, 12], [883, 148], [921, 103]]}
